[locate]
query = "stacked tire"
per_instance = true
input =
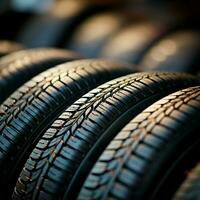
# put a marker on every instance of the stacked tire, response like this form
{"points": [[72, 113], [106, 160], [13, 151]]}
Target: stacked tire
{"points": [[74, 127], [56, 144]]}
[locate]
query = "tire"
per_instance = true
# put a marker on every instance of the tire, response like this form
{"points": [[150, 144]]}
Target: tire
{"points": [[190, 188], [140, 37], [7, 47], [78, 136], [28, 112], [146, 158], [89, 42], [55, 27], [178, 51], [19, 67]]}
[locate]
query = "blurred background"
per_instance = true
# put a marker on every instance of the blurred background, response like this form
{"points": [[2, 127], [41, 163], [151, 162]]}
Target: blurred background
{"points": [[154, 34]]}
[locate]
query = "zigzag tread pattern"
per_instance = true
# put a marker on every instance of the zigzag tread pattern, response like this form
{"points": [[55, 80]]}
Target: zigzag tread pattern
{"points": [[64, 145], [124, 163]]}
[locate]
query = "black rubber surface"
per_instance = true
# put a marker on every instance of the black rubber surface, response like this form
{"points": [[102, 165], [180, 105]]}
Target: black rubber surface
{"points": [[55, 27], [69, 148], [130, 43], [19, 67], [93, 33], [7, 47], [178, 51], [147, 152], [189, 190], [26, 114]]}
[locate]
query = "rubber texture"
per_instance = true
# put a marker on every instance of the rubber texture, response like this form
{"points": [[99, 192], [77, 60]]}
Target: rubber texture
{"points": [[147, 150], [190, 187], [19, 67], [26, 114], [73, 142], [7, 47]]}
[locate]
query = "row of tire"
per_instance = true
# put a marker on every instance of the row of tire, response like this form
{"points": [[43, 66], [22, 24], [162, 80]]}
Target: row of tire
{"points": [[74, 128], [95, 129], [153, 41]]}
